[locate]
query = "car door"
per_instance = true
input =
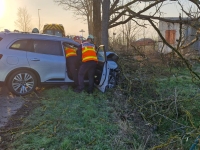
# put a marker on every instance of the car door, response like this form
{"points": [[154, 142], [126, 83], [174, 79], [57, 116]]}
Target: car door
{"points": [[102, 70], [48, 59]]}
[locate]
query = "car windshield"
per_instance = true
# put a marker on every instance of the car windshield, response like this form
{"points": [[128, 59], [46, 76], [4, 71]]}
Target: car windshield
{"points": [[58, 33], [49, 32], [53, 32]]}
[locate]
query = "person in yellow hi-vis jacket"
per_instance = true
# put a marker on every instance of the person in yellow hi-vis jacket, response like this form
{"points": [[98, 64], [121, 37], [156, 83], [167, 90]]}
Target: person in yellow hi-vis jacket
{"points": [[88, 58], [71, 63]]}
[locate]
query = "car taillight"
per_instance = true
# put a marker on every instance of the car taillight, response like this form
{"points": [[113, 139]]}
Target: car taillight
{"points": [[1, 55]]}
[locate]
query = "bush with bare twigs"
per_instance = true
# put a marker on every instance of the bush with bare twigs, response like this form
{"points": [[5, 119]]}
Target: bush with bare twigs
{"points": [[158, 99]]}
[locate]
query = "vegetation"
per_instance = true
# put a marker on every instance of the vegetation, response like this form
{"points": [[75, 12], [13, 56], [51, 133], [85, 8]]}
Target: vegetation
{"points": [[23, 21], [106, 14], [66, 120], [166, 95], [156, 105]]}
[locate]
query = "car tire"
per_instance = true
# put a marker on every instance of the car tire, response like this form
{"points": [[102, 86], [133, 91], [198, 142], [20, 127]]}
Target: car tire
{"points": [[22, 82]]}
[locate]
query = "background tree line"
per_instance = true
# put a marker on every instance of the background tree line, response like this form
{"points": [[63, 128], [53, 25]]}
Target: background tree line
{"points": [[102, 15]]}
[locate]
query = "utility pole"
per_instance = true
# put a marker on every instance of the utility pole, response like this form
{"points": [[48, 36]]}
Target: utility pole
{"points": [[39, 19]]}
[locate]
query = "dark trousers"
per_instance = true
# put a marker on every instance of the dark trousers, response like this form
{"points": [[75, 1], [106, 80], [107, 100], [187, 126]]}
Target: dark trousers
{"points": [[72, 66], [87, 67]]}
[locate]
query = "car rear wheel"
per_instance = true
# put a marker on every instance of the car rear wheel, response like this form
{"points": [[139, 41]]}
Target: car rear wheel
{"points": [[22, 82]]}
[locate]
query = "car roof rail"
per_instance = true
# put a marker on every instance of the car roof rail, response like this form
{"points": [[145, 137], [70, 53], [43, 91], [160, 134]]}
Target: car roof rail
{"points": [[25, 32]]}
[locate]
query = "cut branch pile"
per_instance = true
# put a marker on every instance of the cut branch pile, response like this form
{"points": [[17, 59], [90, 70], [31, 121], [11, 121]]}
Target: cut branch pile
{"points": [[171, 122]]}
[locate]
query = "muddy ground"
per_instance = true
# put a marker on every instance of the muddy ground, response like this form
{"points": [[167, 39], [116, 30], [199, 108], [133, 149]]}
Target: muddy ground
{"points": [[13, 109]]}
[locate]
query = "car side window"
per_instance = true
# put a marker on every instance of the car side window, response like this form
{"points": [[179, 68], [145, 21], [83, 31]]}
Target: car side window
{"points": [[47, 47], [20, 45]]}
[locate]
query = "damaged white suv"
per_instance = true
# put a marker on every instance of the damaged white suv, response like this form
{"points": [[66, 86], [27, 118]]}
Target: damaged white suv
{"points": [[28, 60]]}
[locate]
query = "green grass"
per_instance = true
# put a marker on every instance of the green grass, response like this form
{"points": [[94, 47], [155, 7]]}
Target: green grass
{"points": [[67, 120], [169, 101], [180, 110]]}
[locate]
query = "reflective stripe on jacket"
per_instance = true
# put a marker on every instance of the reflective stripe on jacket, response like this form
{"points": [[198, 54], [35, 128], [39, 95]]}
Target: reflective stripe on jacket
{"points": [[88, 52], [70, 52]]}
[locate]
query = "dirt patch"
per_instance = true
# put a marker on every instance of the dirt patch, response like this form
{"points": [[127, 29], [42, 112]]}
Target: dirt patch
{"points": [[15, 121]]}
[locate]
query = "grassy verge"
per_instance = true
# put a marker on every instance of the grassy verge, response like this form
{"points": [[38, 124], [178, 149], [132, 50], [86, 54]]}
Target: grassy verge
{"points": [[67, 120], [178, 114], [167, 97], [152, 108]]}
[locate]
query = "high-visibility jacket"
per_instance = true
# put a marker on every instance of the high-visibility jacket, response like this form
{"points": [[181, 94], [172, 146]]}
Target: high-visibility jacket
{"points": [[69, 51], [88, 52]]}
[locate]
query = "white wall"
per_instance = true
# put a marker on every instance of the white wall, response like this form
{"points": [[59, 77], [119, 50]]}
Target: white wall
{"points": [[163, 26]]}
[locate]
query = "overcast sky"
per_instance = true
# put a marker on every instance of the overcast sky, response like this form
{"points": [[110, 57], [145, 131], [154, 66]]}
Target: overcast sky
{"points": [[52, 13]]}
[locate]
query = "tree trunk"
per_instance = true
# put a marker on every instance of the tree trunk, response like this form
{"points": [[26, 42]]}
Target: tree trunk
{"points": [[90, 14], [90, 27], [105, 22], [97, 21]]}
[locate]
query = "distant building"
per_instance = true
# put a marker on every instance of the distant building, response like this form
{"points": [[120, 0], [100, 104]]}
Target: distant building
{"points": [[171, 33], [143, 42]]}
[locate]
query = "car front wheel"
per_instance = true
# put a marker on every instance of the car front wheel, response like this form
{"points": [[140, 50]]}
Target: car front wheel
{"points": [[22, 82]]}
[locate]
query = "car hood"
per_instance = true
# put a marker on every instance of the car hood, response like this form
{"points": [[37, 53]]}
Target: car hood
{"points": [[112, 56]]}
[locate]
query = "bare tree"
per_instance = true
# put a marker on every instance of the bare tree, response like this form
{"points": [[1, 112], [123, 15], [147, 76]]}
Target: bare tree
{"points": [[152, 12], [114, 10], [23, 21], [83, 9], [149, 9], [97, 21], [130, 30], [105, 22]]}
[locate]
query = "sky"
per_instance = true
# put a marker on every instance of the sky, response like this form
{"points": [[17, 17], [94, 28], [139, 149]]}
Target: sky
{"points": [[50, 12]]}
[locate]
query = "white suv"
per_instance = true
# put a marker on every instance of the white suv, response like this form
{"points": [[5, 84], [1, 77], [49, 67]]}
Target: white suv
{"points": [[28, 60]]}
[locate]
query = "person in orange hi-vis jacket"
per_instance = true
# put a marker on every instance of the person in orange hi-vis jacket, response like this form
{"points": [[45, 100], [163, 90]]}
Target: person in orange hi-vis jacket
{"points": [[72, 63], [88, 58]]}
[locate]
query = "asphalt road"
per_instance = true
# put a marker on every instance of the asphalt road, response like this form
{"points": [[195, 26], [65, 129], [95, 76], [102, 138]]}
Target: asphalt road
{"points": [[9, 104]]}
